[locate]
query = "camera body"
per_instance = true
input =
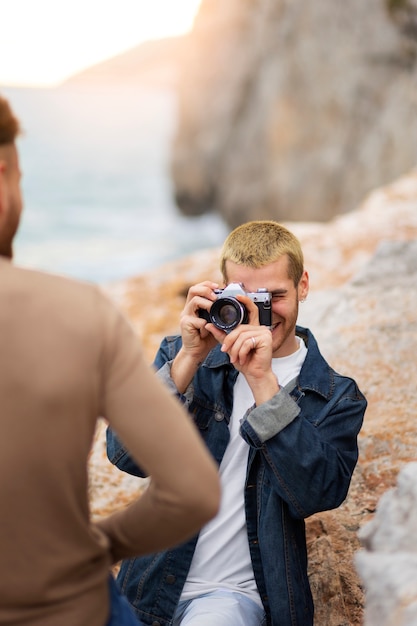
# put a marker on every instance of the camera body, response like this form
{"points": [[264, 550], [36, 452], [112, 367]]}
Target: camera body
{"points": [[227, 312]]}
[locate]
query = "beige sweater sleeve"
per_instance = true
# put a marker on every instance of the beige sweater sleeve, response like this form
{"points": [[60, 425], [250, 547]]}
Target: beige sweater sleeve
{"points": [[158, 433]]}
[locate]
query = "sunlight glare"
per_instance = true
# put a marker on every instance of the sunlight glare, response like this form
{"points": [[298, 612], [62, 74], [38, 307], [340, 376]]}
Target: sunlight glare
{"points": [[58, 39]]}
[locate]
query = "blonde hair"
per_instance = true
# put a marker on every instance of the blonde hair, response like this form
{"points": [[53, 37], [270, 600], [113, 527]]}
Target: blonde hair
{"points": [[9, 124], [258, 243]]}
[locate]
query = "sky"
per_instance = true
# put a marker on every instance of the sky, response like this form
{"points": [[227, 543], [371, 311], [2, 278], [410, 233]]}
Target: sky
{"points": [[43, 42]]}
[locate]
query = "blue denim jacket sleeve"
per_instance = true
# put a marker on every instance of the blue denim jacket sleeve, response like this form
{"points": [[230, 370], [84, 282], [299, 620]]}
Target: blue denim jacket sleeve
{"points": [[308, 444], [116, 452], [119, 456]]}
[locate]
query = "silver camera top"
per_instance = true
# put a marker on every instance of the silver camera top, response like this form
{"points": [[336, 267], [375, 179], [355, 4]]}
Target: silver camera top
{"points": [[237, 289], [233, 289]]}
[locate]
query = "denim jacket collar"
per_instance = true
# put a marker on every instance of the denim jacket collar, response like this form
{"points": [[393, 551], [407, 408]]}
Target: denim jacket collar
{"points": [[315, 375]]}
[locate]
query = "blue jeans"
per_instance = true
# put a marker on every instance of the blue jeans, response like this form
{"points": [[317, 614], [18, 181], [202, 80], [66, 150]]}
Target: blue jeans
{"points": [[121, 613], [219, 608]]}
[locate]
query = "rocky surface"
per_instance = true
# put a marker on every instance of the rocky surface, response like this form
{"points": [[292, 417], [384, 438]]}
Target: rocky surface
{"points": [[388, 562], [362, 308], [295, 110]]}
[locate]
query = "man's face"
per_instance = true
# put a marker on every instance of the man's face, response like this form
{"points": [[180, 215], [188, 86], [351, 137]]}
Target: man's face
{"points": [[11, 198], [285, 298]]}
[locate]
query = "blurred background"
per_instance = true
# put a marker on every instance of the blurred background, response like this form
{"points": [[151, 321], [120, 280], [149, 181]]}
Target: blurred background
{"points": [[98, 108], [151, 129]]}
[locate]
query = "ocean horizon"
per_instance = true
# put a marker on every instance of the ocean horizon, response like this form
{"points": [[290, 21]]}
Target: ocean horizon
{"points": [[98, 200]]}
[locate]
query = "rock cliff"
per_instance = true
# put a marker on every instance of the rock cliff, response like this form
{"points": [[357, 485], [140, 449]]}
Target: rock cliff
{"points": [[293, 110], [362, 308]]}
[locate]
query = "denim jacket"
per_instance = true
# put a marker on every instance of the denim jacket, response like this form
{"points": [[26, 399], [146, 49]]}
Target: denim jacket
{"points": [[303, 450]]}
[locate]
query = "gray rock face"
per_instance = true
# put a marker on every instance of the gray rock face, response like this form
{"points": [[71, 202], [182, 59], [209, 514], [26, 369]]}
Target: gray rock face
{"points": [[293, 110], [388, 562], [394, 264]]}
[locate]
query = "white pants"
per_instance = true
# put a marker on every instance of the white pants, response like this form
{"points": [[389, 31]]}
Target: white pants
{"points": [[219, 608]]}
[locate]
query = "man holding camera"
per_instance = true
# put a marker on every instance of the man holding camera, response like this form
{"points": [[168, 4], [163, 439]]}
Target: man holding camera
{"points": [[281, 424]]}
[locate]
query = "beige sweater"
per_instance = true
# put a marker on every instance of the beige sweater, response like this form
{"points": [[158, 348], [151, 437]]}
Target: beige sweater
{"points": [[67, 356]]}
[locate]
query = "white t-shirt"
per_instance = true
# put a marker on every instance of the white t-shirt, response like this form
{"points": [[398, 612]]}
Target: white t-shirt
{"points": [[222, 558]]}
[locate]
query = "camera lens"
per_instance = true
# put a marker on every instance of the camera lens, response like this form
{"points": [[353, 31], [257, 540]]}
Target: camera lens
{"points": [[227, 313]]}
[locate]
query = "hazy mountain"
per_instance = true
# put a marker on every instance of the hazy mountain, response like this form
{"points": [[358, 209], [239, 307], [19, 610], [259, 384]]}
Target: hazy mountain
{"points": [[152, 63]]}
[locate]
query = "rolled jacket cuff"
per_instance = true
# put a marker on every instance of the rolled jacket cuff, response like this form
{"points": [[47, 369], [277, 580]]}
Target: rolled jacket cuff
{"points": [[269, 418], [165, 375]]}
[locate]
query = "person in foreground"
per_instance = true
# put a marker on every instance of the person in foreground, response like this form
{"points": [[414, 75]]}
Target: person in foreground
{"points": [[67, 357], [281, 424]]}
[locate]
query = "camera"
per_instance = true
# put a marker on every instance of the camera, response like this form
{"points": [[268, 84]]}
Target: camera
{"points": [[227, 312]]}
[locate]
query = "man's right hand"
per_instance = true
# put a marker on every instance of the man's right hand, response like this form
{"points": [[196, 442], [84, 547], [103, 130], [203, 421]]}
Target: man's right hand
{"points": [[197, 341]]}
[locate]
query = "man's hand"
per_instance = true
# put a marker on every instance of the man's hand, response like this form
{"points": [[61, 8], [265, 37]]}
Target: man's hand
{"points": [[197, 341], [249, 347]]}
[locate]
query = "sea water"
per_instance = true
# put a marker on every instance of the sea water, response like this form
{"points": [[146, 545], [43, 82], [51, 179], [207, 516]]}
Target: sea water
{"points": [[97, 190]]}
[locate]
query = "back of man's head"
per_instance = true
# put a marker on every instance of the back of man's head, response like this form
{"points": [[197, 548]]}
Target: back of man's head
{"points": [[261, 242], [10, 193], [9, 124]]}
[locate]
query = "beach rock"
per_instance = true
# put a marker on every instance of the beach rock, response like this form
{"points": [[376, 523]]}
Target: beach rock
{"points": [[362, 308], [388, 562], [294, 110]]}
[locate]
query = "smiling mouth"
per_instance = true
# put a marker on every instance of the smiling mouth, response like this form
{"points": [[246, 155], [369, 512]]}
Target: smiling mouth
{"points": [[273, 327]]}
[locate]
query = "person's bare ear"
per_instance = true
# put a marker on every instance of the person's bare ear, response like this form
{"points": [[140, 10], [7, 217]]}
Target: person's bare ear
{"points": [[303, 287]]}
